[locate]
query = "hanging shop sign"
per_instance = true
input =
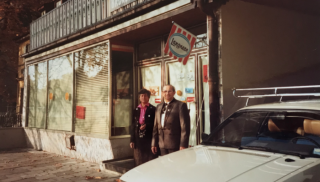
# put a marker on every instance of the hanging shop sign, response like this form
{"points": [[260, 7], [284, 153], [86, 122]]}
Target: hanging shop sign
{"points": [[180, 43]]}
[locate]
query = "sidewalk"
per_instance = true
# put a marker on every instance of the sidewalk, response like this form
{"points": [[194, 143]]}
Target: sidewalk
{"points": [[26, 165]]}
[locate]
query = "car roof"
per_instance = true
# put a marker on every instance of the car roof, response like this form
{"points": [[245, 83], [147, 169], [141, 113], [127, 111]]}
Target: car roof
{"points": [[304, 105]]}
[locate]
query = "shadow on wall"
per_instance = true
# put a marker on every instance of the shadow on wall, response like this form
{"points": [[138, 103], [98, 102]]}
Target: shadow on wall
{"points": [[87, 148], [305, 76]]}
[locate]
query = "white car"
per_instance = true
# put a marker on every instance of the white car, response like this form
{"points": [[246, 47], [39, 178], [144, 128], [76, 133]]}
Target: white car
{"points": [[269, 142]]}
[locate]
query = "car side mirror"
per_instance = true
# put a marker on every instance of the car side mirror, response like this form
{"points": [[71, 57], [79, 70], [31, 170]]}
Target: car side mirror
{"points": [[204, 136]]}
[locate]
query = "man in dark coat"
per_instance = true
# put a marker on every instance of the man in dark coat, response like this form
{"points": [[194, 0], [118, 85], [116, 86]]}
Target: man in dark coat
{"points": [[172, 124], [141, 129]]}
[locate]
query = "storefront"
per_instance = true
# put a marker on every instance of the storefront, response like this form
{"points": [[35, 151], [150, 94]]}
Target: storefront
{"points": [[86, 89]]}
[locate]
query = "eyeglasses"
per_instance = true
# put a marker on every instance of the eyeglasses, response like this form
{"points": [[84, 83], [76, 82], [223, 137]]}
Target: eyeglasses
{"points": [[167, 91]]}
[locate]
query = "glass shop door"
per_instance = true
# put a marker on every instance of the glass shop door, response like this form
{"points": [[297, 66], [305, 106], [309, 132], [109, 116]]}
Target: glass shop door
{"points": [[182, 77], [191, 83]]}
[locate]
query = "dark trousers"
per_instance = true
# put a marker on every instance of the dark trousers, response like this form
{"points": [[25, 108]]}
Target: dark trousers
{"points": [[167, 151]]}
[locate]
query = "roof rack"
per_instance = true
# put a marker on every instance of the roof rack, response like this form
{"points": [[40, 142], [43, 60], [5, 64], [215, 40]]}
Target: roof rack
{"points": [[275, 92]]}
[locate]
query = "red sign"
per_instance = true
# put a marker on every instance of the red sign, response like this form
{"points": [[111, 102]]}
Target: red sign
{"points": [[157, 100], [205, 73], [190, 99], [80, 112]]}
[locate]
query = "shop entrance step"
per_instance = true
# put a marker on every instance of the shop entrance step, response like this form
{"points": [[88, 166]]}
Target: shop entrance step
{"points": [[118, 165]]}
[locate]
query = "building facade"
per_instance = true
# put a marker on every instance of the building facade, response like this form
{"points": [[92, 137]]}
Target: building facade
{"points": [[89, 59]]}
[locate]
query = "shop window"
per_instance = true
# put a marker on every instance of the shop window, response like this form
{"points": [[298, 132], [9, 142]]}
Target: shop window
{"points": [[60, 93], [150, 77], [92, 90], [122, 65], [182, 77], [150, 49], [37, 85]]}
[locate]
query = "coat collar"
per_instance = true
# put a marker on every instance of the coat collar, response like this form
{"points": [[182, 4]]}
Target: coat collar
{"points": [[172, 101]]}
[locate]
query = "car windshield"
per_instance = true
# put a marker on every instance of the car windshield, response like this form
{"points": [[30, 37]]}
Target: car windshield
{"points": [[287, 132]]}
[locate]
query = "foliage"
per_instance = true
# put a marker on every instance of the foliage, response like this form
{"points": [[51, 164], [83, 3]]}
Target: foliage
{"points": [[15, 17]]}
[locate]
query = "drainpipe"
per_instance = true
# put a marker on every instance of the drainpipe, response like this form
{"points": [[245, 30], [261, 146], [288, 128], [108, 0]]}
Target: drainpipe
{"points": [[212, 10]]}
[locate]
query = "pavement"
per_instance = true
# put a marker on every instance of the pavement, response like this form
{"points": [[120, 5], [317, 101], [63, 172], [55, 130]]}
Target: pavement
{"points": [[25, 165]]}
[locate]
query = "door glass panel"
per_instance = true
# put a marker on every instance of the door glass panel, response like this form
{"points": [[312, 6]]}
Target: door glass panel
{"points": [[151, 80], [204, 94], [182, 77]]}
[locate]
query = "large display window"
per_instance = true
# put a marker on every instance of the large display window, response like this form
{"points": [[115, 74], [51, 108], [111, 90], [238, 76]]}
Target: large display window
{"points": [[60, 89], [92, 90], [74, 87], [37, 79]]}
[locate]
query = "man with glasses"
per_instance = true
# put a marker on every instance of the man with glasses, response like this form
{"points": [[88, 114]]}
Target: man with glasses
{"points": [[171, 124]]}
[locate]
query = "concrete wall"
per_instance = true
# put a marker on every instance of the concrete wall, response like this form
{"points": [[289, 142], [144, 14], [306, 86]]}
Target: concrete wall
{"points": [[87, 148], [11, 138], [264, 47]]}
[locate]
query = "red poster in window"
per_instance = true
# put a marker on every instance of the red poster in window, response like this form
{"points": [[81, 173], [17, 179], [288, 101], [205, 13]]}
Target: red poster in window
{"points": [[80, 112], [157, 100], [190, 99], [205, 73]]}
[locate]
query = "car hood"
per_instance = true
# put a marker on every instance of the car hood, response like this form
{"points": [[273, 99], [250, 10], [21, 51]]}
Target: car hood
{"points": [[210, 163]]}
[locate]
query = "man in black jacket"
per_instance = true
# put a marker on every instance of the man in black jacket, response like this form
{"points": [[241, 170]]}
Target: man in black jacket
{"points": [[141, 129]]}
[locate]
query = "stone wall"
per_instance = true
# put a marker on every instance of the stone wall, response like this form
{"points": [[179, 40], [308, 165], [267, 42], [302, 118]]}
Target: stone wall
{"points": [[87, 148], [12, 138]]}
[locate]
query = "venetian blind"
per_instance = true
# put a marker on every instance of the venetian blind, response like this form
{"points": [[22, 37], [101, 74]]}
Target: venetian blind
{"points": [[92, 90]]}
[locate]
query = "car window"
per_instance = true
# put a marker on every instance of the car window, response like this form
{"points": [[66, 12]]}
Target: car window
{"points": [[240, 125], [279, 130]]}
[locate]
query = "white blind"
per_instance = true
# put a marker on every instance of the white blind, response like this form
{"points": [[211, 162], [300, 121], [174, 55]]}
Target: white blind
{"points": [[92, 90]]}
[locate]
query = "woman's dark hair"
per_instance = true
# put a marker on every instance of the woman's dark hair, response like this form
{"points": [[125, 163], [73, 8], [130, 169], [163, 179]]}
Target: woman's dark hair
{"points": [[144, 91]]}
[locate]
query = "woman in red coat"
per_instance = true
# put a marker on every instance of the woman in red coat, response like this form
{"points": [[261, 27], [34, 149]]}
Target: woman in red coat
{"points": [[142, 128]]}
